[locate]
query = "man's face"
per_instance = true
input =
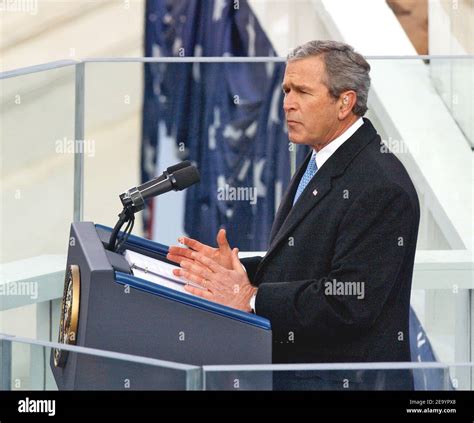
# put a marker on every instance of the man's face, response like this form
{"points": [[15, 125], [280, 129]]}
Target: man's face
{"points": [[311, 112]]}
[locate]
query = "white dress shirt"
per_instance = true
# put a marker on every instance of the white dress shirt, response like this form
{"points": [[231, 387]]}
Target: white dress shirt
{"points": [[326, 152]]}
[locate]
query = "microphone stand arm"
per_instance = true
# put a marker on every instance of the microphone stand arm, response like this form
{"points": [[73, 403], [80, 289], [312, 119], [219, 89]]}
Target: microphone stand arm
{"points": [[125, 216]]}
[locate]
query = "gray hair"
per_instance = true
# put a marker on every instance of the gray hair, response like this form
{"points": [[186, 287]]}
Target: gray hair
{"points": [[345, 69]]}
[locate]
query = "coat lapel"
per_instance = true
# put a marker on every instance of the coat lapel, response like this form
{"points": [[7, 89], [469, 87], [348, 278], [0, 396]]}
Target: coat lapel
{"points": [[289, 216], [287, 200], [315, 191]]}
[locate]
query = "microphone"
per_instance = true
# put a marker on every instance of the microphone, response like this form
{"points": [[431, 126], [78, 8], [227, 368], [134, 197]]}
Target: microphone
{"points": [[165, 174], [177, 178]]}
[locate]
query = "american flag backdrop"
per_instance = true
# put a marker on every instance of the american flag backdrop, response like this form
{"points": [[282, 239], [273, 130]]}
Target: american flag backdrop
{"points": [[225, 117]]}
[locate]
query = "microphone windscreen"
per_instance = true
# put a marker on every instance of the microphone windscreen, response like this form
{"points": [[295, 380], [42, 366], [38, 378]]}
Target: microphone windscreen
{"points": [[186, 177], [178, 166]]}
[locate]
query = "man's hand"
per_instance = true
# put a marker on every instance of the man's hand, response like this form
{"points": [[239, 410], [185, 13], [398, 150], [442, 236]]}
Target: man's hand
{"points": [[221, 255], [230, 287]]}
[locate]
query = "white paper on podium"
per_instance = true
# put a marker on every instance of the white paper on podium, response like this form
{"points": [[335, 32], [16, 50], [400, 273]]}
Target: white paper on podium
{"points": [[155, 271]]}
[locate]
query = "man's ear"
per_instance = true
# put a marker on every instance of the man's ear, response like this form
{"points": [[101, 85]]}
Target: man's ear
{"points": [[346, 102]]}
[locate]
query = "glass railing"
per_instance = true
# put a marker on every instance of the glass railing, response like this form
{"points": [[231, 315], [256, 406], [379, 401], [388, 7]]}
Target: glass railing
{"points": [[340, 377], [28, 364], [441, 336], [454, 82], [36, 162], [405, 89], [37, 174], [99, 102], [48, 179], [406, 104]]}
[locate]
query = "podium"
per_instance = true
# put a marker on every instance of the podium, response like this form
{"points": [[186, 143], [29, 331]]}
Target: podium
{"points": [[106, 307]]}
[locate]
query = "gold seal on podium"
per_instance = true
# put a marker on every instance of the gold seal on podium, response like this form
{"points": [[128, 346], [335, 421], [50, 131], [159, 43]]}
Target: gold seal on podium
{"points": [[69, 313]]}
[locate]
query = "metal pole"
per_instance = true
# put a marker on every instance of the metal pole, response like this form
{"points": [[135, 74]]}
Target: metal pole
{"points": [[79, 144], [5, 365]]}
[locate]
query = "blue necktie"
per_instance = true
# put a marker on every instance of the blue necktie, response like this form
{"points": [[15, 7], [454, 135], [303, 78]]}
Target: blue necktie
{"points": [[308, 175]]}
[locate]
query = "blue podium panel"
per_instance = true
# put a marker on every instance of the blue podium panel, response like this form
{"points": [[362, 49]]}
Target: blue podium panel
{"points": [[119, 312]]}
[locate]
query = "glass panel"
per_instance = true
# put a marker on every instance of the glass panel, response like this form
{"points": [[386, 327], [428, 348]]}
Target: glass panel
{"points": [[437, 312], [338, 377], [453, 79], [29, 365], [36, 191], [36, 163], [113, 108], [114, 111], [413, 130]]}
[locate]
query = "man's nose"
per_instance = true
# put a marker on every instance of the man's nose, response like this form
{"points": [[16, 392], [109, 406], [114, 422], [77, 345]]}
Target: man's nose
{"points": [[289, 102]]}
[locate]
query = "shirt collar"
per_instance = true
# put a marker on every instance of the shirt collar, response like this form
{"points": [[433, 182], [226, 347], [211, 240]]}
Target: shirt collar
{"points": [[322, 155]]}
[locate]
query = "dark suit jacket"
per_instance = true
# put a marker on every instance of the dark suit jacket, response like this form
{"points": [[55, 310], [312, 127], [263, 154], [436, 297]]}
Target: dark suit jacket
{"points": [[356, 221]]}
